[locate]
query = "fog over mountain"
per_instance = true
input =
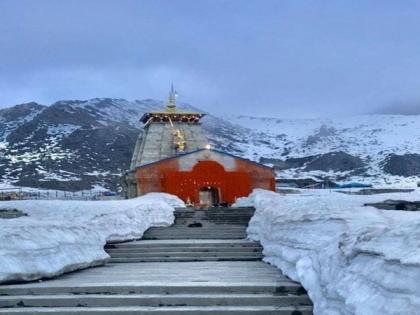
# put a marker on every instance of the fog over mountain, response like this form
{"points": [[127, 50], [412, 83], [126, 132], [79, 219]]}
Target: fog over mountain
{"points": [[401, 109]]}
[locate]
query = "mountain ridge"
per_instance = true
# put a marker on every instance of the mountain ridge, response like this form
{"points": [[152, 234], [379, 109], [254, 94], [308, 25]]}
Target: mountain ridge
{"points": [[77, 144]]}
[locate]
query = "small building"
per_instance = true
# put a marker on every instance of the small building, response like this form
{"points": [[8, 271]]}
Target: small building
{"points": [[172, 155]]}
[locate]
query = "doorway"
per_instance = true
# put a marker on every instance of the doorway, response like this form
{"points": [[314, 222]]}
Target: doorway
{"points": [[209, 196]]}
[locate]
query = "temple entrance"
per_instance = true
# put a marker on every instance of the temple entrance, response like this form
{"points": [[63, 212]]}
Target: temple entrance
{"points": [[206, 183], [209, 196]]}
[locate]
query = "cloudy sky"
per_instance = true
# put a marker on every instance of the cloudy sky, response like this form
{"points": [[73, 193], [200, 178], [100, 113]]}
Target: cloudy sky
{"points": [[268, 58]]}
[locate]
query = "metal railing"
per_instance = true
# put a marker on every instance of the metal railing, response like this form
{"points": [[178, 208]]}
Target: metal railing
{"points": [[28, 194]]}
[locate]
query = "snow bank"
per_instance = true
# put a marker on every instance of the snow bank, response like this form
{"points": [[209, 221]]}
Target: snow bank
{"points": [[242, 202], [60, 236], [351, 259]]}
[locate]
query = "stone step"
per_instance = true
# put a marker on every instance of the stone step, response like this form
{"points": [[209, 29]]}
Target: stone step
{"points": [[215, 210], [226, 211], [213, 227], [285, 287], [185, 243], [216, 216], [174, 310], [194, 233], [184, 254], [195, 230], [198, 232], [227, 215], [243, 224], [209, 227], [229, 221], [209, 219], [209, 222], [226, 221], [209, 214], [188, 249], [176, 237], [185, 259], [233, 216], [100, 300], [238, 223], [183, 249]]}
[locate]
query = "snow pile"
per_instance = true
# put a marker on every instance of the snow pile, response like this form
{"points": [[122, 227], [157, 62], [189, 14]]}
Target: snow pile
{"points": [[60, 236], [351, 259], [242, 202]]}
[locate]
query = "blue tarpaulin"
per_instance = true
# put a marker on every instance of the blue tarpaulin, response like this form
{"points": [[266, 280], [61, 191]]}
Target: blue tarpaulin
{"points": [[355, 185]]}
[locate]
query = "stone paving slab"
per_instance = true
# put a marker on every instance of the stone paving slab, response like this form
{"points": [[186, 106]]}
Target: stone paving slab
{"points": [[162, 273], [187, 241], [180, 310]]}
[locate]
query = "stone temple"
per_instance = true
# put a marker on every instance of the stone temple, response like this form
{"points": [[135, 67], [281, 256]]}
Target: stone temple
{"points": [[173, 155]]}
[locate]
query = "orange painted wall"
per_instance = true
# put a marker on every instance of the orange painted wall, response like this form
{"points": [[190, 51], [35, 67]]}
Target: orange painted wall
{"points": [[165, 176], [230, 185]]}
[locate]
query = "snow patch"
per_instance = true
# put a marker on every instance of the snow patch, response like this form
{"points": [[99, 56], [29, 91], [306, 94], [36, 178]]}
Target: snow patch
{"points": [[60, 236], [61, 130], [370, 137], [351, 259]]}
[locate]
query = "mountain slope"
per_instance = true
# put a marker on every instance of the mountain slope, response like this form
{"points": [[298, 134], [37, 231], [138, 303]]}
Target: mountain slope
{"points": [[70, 144], [375, 144], [78, 144]]}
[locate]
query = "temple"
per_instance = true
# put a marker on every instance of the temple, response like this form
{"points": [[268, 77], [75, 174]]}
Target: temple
{"points": [[168, 132], [173, 155]]}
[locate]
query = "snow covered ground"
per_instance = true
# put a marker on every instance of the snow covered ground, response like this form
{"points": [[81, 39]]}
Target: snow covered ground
{"points": [[61, 236], [22, 192], [352, 259], [371, 137]]}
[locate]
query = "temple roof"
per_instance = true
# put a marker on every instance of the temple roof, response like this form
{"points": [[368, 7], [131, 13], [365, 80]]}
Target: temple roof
{"points": [[175, 115], [171, 112]]}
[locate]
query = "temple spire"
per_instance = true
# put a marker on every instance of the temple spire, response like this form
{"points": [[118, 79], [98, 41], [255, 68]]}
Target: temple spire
{"points": [[170, 113], [171, 105]]}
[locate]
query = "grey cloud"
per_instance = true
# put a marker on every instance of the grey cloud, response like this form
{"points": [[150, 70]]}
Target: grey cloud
{"points": [[271, 58], [412, 108]]}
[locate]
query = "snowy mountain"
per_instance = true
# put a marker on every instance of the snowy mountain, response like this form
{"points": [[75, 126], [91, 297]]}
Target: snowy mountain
{"points": [[78, 144], [379, 149]]}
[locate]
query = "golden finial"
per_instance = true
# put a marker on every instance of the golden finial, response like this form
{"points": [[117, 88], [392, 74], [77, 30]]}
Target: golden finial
{"points": [[171, 105]]}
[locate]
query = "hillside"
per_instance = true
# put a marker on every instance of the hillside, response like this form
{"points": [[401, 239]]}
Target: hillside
{"points": [[379, 149], [79, 144]]}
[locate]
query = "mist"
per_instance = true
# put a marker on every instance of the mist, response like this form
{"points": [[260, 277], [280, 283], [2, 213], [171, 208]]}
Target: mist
{"points": [[400, 109]]}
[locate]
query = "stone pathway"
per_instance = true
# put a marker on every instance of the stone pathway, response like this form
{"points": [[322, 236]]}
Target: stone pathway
{"points": [[168, 275]]}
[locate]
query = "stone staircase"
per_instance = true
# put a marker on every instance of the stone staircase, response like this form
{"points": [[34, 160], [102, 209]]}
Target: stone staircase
{"points": [[203, 264], [177, 232], [184, 250], [213, 223], [198, 235]]}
